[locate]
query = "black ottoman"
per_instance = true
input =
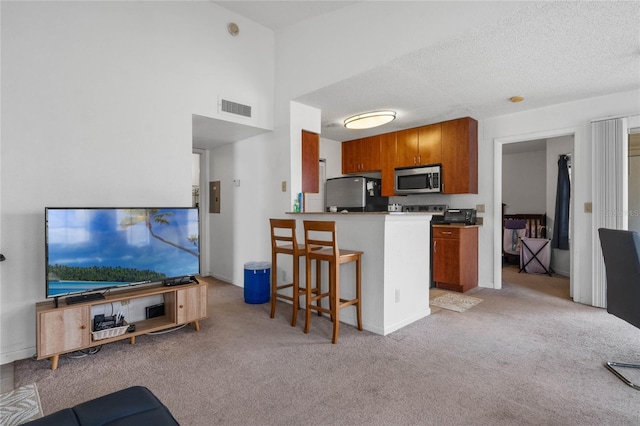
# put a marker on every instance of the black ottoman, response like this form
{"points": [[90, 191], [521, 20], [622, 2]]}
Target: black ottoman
{"points": [[134, 406]]}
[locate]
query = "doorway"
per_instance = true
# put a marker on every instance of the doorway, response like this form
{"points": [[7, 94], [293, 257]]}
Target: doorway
{"points": [[544, 148], [634, 180], [199, 199]]}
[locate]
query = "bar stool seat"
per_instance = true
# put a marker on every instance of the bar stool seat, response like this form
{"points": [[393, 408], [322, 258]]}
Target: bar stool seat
{"points": [[323, 234], [283, 241]]}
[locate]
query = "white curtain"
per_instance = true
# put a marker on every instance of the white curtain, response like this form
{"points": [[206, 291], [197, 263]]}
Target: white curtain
{"points": [[610, 191]]}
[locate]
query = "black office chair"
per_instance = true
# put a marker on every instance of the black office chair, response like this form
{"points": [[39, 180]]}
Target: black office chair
{"points": [[621, 251]]}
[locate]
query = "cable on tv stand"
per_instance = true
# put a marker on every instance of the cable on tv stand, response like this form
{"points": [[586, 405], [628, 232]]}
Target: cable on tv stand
{"points": [[86, 297]]}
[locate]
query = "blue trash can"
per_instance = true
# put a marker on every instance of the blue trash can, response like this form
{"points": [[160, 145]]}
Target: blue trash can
{"points": [[257, 282]]}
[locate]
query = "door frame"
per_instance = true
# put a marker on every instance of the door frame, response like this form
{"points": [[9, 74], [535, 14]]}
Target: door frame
{"points": [[497, 197]]}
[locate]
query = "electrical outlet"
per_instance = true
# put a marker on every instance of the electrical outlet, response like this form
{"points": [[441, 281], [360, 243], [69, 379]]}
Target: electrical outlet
{"points": [[124, 302], [480, 208], [397, 295], [588, 207], [479, 220]]}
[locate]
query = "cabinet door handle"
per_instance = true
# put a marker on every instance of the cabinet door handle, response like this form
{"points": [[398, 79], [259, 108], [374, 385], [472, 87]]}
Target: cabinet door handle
{"points": [[181, 306], [447, 232], [434, 246], [82, 327]]}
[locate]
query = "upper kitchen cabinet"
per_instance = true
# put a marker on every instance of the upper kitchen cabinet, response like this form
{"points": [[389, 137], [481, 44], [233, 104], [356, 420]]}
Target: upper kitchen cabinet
{"points": [[407, 149], [310, 162], [361, 155], [460, 156], [418, 146], [430, 143]]}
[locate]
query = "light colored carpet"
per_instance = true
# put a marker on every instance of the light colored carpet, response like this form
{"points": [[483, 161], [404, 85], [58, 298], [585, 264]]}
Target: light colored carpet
{"points": [[20, 405], [452, 301], [527, 355]]}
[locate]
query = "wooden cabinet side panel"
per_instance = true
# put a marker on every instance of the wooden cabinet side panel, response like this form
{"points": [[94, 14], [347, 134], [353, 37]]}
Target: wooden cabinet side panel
{"points": [[430, 144], [310, 162], [469, 256], [387, 160], [63, 330], [460, 156]]}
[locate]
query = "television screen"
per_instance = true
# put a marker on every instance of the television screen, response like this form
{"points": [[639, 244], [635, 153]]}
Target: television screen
{"points": [[98, 248]]}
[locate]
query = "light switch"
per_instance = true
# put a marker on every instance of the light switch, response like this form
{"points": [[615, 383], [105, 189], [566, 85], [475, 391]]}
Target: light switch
{"points": [[284, 186], [480, 208], [588, 207]]}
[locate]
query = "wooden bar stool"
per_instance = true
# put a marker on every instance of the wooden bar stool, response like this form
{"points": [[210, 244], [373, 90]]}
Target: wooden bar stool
{"points": [[283, 241], [323, 234]]}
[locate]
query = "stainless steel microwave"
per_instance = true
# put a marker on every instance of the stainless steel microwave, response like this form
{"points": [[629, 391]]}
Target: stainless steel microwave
{"points": [[418, 180]]}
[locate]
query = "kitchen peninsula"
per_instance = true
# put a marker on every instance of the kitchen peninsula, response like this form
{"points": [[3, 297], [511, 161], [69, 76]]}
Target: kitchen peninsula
{"points": [[395, 265]]}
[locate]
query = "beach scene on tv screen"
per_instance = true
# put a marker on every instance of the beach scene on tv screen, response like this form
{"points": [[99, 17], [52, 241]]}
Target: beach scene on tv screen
{"points": [[97, 248]]}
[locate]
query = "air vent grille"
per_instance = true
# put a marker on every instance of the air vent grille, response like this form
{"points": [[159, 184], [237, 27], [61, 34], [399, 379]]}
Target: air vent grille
{"points": [[235, 108]]}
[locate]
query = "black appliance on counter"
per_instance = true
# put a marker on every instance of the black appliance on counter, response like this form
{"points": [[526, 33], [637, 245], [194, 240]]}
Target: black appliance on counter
{"points": [[459, 216], [356, 194]]}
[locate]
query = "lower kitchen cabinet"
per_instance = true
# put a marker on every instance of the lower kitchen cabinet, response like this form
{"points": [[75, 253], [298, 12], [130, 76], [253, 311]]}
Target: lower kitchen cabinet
{"points": [[455, 257]]}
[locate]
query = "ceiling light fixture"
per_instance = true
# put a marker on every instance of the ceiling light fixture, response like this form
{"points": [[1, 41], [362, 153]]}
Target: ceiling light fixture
{"points": [[516, 99], [368, 120]]}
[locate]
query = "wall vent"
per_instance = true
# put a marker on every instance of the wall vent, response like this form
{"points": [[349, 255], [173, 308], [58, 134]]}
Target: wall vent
{"points": [[235, 108]]}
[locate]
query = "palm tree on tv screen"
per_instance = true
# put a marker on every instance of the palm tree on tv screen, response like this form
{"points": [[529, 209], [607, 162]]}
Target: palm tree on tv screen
{"points": [[151, 216]]}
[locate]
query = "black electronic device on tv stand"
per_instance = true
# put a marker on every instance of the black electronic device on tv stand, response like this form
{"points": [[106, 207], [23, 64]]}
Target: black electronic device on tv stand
{"points": [[85, 297]]}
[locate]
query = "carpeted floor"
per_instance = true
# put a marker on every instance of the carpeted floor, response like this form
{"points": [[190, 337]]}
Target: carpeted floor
{"points": [[525, 355]]}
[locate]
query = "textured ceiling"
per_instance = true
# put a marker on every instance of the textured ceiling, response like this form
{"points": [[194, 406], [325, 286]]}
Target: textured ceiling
{"points": [[548, 52]]}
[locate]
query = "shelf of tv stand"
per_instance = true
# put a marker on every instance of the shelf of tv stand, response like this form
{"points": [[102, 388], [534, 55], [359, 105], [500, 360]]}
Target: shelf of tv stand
{"points": [[67, 328]]}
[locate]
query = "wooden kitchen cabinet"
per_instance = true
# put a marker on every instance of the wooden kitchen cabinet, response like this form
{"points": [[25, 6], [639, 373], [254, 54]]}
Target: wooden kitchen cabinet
{"points": [[455, 257], [407, 149], [418, 146], [430, 144], [310, 162], [361, 155], [460, 156]]}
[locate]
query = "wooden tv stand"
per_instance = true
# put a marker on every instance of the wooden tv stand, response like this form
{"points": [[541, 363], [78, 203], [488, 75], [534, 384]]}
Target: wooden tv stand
{"points": [[67, 328]]}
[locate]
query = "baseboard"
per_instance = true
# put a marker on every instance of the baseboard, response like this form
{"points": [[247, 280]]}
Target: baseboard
{"points": [[12, 356]]}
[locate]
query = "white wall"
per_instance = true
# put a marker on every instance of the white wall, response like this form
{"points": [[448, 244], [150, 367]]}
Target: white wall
{"points": [[524, 182], [561, 119], [97, 99]]}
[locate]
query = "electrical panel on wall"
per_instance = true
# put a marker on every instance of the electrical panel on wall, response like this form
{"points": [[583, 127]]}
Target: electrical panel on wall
{"points": [[214, 197]]}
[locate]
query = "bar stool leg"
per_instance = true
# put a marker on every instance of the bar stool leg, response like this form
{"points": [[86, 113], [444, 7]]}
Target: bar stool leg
{"points": [[358, 293], [295, 292], [274, 283], [307, 313], [334, 297], [319, 284]]}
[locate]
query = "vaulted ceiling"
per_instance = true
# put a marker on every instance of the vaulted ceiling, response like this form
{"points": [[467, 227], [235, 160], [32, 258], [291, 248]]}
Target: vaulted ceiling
{"points": [[548, 52]]}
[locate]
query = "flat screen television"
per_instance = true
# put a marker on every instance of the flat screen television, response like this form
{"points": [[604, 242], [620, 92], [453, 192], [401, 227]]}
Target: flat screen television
{"points": [[95, 249]]}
